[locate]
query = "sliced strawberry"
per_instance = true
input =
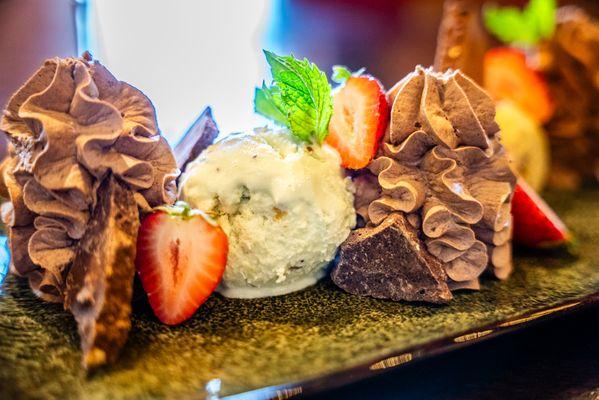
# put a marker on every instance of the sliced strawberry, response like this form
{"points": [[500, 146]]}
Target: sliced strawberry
{"points": [[507, 76], [360, 117], [181, 257], [536, 225]]}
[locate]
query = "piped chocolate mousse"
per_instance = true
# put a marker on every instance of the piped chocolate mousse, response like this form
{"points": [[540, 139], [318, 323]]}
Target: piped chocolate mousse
{"points": [[80, 139], [570, 62], [441, 166]]}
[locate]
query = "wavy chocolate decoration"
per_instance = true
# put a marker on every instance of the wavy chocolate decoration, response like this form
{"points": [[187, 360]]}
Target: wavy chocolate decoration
{"points": [[441, 164], [70, 125]]}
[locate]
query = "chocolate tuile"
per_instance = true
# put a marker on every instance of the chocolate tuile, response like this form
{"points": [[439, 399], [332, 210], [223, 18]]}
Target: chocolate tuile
{"points": [[198, 137], [389, 261], [99, 283]]}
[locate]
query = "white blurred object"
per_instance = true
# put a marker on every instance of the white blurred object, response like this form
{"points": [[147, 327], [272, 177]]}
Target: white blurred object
{"points": [[185, 55]]}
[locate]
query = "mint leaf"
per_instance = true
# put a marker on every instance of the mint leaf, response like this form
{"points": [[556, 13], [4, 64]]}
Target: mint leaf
{"points": [[542, 12], [528, 26], [299, 97], [268, 102], [340, 73]]}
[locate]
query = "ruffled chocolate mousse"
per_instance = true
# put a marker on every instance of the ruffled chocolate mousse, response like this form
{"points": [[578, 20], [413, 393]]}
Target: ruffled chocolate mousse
{"points": [[442, 167], [570, 61], [72, 126]]}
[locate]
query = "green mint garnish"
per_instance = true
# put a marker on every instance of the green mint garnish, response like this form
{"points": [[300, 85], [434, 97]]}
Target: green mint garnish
{"points": [[341, 73], [269, 103], [299, 97], [525, 27]]}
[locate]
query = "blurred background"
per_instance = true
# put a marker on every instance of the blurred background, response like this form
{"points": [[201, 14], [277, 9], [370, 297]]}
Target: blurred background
{"points": [[187, 54]]}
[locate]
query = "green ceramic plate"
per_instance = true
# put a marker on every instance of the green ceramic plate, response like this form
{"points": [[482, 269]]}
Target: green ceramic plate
{"points": [[290, 345]]}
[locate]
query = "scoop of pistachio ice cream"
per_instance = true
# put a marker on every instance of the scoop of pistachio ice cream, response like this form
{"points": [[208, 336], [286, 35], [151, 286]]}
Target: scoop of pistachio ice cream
{"points": [[284, 206], [526, 143]]}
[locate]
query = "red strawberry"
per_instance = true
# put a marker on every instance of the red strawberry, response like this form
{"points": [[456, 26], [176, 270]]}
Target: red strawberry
{"points": [[181, 257], [508, 76], [535, 223], [360, 117]]}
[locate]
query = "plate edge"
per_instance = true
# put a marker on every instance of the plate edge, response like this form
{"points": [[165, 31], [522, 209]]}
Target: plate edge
{"points": [[395, 360]]}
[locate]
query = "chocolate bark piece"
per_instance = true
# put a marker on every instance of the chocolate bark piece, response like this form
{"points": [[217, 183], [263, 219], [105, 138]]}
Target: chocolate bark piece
{"points": [[462, 40], [389, 261], [100, 281], [200, 135]]}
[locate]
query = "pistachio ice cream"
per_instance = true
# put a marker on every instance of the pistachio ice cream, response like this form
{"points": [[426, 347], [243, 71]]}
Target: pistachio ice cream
{"points": [[285, 207]]}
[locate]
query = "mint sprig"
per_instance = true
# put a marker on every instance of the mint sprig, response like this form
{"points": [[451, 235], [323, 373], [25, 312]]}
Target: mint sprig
{"points": [[299, 97], [341, 73], [522, 27]]}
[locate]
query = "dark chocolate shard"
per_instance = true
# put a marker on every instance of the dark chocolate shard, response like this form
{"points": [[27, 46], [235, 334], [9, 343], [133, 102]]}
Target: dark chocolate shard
{"points": [[200, 135], [100, 281], [462, 39], [389, 261]]}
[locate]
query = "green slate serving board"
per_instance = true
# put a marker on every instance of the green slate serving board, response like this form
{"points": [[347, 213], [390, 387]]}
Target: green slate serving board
{"points": [[290, 345]]}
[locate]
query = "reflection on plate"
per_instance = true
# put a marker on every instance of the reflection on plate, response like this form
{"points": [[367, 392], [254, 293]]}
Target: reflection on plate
{"points": [[290, 345]]}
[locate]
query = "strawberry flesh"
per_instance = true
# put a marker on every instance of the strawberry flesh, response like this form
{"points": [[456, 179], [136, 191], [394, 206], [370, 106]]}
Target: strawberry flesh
{"points": [[508, 76], [360, 117], [536, 225], [180, 260]]}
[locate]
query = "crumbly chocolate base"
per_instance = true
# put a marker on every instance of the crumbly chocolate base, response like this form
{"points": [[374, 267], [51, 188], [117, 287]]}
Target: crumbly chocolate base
{"points": [[100, 281], [389, 261]]}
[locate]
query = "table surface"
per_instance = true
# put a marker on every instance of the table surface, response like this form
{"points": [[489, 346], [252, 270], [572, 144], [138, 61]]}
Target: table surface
{"points": [[557, 359]]}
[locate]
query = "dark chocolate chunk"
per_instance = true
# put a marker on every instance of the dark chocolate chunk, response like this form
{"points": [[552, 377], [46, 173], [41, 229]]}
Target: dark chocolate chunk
{"points": [[462, 39], [200, 135], [100, 281], [389, 261]]}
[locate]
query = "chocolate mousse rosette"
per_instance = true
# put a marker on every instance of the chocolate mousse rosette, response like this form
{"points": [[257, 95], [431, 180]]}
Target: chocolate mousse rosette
{"points": [[442, 167], [570, 61], [72, 128]]}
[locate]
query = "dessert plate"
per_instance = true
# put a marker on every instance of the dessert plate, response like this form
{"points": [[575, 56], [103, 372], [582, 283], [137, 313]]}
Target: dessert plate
{"points": [[291, 345]]}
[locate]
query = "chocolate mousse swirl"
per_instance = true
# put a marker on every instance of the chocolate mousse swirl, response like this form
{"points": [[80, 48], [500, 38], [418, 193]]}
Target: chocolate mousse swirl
{"points": [[570, 62], [70, 125], [441, 163]]}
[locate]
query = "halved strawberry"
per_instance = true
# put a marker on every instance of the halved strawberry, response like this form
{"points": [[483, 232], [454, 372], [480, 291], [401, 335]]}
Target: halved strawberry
{"points": [[360, 117], [181, 257], [507, 76], [536, 225]]}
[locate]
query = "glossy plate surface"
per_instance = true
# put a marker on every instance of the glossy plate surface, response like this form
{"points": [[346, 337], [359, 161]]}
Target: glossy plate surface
{"points": [[285, 346]]}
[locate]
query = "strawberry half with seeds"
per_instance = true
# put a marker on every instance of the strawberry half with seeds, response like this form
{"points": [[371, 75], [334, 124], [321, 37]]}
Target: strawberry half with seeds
{"points": [[360, 117], [536, 225], [181, 257]]}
